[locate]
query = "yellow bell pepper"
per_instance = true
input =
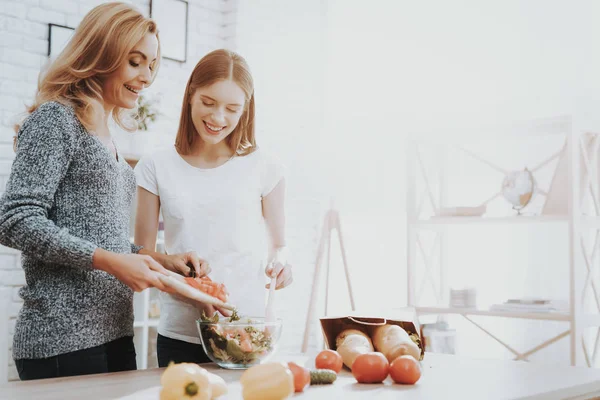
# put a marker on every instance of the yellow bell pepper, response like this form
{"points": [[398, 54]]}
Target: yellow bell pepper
{"points": [[272, 381], [185, 381]]}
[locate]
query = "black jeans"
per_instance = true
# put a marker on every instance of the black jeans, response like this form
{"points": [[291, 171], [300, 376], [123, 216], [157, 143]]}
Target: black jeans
{"points": [[168, 350], [118, 355]]}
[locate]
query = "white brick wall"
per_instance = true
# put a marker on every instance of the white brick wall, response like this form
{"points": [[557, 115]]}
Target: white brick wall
{"points": [[23, 48], [11, 278], [14, 9]]}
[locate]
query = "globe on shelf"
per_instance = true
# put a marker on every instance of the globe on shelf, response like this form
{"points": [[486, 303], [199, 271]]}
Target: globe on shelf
{"points": [[518, 188]]}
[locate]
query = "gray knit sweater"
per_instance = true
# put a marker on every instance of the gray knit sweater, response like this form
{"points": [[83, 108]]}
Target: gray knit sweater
{"points": [[66, 196]]}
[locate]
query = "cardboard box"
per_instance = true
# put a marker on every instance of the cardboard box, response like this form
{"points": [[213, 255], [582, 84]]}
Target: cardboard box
{"points": [[404, 318]]}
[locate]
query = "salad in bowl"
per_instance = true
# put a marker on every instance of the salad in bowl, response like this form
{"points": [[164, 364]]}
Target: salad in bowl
{"points": [[238, 343]]}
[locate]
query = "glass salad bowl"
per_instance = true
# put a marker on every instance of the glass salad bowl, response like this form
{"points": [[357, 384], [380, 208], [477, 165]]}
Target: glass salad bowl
{"points": [[239, 344]]}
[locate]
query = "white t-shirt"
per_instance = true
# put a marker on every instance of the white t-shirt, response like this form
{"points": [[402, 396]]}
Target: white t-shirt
{"points": [[217, 213]]}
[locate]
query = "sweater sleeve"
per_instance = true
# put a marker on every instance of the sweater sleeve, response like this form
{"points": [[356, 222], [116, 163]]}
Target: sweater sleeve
{"points": [[45, 145]]}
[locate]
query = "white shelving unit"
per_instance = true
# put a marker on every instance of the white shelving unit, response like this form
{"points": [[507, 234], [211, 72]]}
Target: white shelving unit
{"points": [[549, 316], [580, 222], [144, 328], [145, 324]]}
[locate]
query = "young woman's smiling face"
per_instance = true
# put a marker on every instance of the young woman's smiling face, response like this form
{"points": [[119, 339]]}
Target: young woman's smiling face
{"points": [[216, 110], [122, 87]]}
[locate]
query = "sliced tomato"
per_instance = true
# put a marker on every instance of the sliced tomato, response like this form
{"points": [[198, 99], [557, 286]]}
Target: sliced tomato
{"points": [[206, 285], [193, 283]]}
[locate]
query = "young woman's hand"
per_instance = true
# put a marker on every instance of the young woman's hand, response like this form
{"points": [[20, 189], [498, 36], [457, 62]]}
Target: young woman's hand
{"points": [[279, 267], [139, 272], [181, 263], [208, 309], [282, 272]]}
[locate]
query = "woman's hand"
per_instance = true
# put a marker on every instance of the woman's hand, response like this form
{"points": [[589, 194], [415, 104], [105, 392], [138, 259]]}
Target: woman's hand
{"points": [[279, 267], [182, 263], [208, 309], [282, 272], [139, 272]]}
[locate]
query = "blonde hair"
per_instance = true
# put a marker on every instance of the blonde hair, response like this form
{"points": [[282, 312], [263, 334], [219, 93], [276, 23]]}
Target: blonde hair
{"points": [[99, 46], [216, 66]]}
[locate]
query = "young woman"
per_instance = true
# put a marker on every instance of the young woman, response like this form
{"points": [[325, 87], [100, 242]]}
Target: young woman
{"points": [[67, 201], [217, 192]]}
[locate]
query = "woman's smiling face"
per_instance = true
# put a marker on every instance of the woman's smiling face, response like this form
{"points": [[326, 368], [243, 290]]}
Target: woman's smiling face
{"points": [[122, 87], [216, 110]]}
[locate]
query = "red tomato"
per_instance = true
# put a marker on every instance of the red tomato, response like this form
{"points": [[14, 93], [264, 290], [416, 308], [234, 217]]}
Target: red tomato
{"points": [[370, 367], [405, 369], [301, 376], [329, 359]]}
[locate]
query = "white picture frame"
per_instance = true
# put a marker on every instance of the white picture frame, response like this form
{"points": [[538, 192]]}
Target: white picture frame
{"points": [[58, 37], [171, 16]]}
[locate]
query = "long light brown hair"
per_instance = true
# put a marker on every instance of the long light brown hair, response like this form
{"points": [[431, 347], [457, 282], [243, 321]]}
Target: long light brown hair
{"points": [[99, 46], [216, 66]]}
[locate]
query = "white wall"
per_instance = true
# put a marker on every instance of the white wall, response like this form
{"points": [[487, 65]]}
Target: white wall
{"points": [[392, 68], [433, 61], [23, 51], [283, 42], [471, 63]]}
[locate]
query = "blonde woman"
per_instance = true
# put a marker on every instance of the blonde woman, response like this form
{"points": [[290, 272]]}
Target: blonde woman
{"points": [[67, 201], [221, 196]]}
